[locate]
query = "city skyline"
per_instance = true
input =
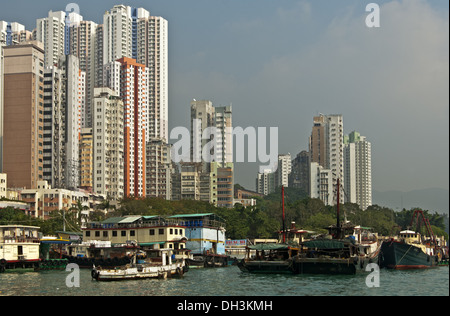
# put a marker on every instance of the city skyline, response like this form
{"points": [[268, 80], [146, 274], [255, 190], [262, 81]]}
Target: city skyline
{"points": [[389, 83]]}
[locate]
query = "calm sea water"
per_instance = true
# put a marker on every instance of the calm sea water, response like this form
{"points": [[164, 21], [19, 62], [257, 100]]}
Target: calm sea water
{"points": [[231, 282]]}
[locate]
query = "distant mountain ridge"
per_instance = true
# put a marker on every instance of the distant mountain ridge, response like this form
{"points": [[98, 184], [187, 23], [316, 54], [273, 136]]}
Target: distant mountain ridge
{"points": [[433, 199]]}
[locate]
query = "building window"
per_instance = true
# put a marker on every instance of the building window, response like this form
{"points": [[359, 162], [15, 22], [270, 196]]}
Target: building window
{"points": [[97, 234], [132, 233], [161, 231], [114, 233], [152, 232], [123, 233], [105, 233]]}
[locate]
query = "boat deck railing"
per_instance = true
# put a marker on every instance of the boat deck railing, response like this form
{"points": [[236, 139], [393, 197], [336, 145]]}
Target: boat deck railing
{"points": [[19, 239]]}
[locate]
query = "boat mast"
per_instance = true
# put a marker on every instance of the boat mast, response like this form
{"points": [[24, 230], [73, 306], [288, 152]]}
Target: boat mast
{"points": [[338, 224], [284, 224]]}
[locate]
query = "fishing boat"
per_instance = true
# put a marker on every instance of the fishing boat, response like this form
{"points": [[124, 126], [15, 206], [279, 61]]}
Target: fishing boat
{"points": [[164, 265], [346, 249], [273, 257], [270, 258], [410, 250]]}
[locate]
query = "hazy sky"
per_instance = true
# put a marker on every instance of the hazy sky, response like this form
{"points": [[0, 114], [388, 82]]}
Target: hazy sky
{"points": [[280, 62]]}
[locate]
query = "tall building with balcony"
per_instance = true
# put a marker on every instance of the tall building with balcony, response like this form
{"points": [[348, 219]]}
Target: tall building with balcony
{"points": [[284, 170], [152, 51], [358, 170], [266, 182], [63, 100], [2, 43], [82, 44], [159, 169], [326, 145], [86, 159], [299, 177], [130, 80], [108, 144], [23, 114]]}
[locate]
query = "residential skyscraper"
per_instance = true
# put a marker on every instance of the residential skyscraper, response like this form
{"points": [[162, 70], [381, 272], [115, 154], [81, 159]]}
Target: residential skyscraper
{"points": [[266, 182], [64, 97], [87, 159], [133, 90], [51, 31], [322, 184], [23, 116], [159, 169], [82, 44], [299, 177], [326, 145], [120, 26], [358, 170], [204, 115], [284, 170], [152, 51], [2, 43], [108, 144]]}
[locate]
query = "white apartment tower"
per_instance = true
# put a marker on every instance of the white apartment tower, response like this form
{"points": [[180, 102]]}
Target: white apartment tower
{"points": [[284, 170], [2, 43], [52, 32], [203, 116], [358, 170], [152, 51], [82, 43], [322, 184], [326, 146], [120, 32], [108, 143], [63, 99]]}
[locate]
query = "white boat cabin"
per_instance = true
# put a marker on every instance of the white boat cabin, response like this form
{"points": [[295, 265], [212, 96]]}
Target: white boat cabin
{"points": [[19, 243]]}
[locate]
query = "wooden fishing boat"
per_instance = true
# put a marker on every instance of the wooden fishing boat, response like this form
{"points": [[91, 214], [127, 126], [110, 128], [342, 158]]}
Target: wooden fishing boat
{"points": [[152, 268]]}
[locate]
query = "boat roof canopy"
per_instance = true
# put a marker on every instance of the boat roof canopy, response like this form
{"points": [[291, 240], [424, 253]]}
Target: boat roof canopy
{"points": [[324, 244], [265, 247]]}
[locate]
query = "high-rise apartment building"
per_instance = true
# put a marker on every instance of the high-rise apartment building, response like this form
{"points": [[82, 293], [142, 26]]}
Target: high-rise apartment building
{"points": [[51, 32], [86, 159], [82, 43], [2, 43], [63, 100], [23, 116], [159, 169], [204, 115], [152, 51], [120, 31], [326, 145], [322, 184], [358, 170], [130, 79], [133, 91], [299, 177], [108, 144], [284, 170], [14, 33], [266, 182]]}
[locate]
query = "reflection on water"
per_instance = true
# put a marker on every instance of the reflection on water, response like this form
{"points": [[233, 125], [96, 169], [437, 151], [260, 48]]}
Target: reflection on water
{"points": [[230, 282]]}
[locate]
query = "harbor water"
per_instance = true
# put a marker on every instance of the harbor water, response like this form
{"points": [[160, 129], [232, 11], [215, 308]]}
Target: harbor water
{"points": [[230, 282]]}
